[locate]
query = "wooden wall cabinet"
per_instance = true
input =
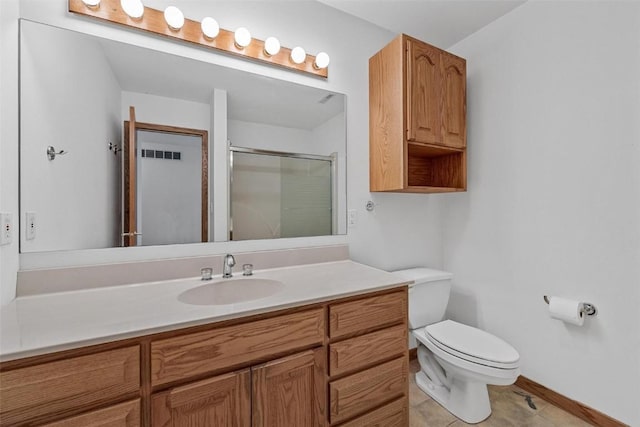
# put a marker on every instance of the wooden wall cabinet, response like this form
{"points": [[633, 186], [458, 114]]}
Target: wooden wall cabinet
{"points": [[417, 119], [338, 362]]}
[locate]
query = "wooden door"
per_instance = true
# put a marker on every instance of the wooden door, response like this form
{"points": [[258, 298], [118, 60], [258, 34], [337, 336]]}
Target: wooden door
{"points": [[222, 401], [424, 93], [130, 223], [454, 82], [290, 391]]}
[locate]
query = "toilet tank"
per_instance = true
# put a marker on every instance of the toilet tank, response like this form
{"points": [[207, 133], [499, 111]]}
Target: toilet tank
{"points": [[428, 297]]}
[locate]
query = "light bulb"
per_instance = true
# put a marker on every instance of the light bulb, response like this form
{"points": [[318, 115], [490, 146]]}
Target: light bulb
{"points": [[271, 46], [298, 55], [174, 17], [322, 61], [242, 37], [133, 8], [210, 27], [91, 3]]}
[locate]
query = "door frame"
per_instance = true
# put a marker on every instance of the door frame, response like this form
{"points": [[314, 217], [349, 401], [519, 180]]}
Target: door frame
{"points": [[204, 136]]}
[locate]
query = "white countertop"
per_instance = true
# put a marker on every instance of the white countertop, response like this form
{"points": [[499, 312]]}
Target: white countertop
{"points": [[41, 324]]}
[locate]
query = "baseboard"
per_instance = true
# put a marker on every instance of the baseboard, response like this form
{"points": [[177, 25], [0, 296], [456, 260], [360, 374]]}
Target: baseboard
{"points": [[571, 406]]}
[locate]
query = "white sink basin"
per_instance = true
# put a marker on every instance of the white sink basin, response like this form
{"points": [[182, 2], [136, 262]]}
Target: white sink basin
{"points": [[231, 291]]}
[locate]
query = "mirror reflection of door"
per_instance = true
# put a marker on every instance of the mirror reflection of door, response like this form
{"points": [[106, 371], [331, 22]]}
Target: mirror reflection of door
{"points": [[166, 184]]}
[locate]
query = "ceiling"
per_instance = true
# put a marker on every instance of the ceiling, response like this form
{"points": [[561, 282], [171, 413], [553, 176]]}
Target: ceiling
{"points": [[439, 22]]}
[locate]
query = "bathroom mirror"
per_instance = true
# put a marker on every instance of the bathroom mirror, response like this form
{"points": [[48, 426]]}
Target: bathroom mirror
{"points": [[79, 144]]}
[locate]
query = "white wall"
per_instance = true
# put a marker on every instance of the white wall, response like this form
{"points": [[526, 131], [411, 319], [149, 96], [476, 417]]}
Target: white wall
{"points": [[403, 230], [553, 205], [9, 12], [161, 110], [67, 84], [218, 171], [269, 137]]}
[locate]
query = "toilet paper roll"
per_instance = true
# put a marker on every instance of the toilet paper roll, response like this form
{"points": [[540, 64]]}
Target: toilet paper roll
{"points": [[566, 310]]}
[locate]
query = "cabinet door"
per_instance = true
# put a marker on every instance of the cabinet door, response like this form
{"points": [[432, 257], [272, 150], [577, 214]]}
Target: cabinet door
{"points": [[290, 391], [222, 401], [454, 82], [424, 93]]}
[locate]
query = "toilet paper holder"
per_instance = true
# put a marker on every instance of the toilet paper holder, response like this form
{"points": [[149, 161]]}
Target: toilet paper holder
{"points": [[587, 308]]}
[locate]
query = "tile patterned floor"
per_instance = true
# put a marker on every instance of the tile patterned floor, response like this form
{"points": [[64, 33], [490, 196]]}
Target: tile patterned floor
{"points": [[509, 409]]}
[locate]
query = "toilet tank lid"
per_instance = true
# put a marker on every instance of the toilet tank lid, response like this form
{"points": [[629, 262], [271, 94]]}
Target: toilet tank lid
{"points": [[422, 274]]}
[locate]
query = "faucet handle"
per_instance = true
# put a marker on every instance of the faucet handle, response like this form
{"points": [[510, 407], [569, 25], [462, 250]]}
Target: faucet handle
{"points": [[247, 269], [207, 273]]}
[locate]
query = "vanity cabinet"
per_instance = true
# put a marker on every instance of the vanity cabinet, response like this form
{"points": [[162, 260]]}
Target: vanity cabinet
{"points": [[339, 362], [283, 391], [280, 393], [417, 118]]}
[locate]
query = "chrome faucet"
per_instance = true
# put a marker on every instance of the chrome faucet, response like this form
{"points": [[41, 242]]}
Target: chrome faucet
{"points": [[227, 264]]}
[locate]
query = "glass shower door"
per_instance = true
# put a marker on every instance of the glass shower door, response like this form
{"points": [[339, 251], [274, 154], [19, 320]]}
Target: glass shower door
{"points": [[284, 195]]}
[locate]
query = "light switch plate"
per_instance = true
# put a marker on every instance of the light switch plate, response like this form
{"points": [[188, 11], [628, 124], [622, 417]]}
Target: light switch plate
{"points": [[6, 236], [353, 217], [30, 232]]}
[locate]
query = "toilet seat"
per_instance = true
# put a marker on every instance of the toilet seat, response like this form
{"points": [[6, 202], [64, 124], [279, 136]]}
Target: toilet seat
{"points": [[472, 344]]}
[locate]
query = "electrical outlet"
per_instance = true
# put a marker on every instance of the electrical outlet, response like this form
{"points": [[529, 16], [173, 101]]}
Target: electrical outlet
{"points": [[6, 236], [353, 217], [30, 232]]}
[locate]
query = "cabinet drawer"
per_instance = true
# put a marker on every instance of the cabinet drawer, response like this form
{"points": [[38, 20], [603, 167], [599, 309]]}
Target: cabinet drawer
{"points": [[28, 393], [189, 355], [123, 415], [368, 389], [366, 350], [367, 313], [394, 414]]}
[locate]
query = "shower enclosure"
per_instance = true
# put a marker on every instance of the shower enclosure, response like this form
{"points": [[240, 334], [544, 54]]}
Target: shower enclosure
{"points": [[278, 194]]}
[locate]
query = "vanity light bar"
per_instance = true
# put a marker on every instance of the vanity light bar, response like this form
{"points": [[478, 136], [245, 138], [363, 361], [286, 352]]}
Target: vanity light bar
{"points": [[153, 21]]}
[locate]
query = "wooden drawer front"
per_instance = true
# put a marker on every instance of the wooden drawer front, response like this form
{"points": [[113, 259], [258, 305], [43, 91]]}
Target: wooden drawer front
{"points": [[368, 389], [27, 393], [123, 415], [366, 350], [395, 414], [194, 354], [368, 313]]}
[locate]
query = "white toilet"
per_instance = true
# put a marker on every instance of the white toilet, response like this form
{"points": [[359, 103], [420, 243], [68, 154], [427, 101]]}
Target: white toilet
{"points": [[457, 361]]}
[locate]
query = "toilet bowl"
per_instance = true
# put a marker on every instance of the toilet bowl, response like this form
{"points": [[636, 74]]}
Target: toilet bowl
{"points": [[457, 361]]}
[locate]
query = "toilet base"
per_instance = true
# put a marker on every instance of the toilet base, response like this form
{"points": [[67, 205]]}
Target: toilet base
{"points": [[467, 400]]}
